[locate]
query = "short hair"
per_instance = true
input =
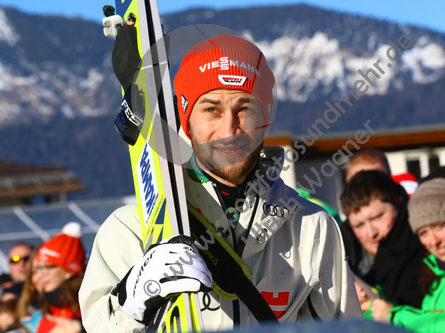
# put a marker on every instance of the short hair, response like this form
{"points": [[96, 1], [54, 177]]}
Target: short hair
{"points": [[30, 246], [370, 156], [366, 185]]}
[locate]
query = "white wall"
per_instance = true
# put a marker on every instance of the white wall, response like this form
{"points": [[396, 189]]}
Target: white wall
{"points": [[398, 160]]}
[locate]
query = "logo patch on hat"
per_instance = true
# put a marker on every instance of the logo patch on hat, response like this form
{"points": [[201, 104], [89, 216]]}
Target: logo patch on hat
{"points": [[73, 266], [185, 103], [232, 80], [44, 251]]}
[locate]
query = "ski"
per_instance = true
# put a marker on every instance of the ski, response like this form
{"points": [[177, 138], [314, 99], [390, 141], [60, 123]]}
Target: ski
{"points": [[147, 122]]}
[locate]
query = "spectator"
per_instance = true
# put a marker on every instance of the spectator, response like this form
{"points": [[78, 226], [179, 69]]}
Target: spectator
{"points": [[18, 266], [381, 248], [374, 159], [18, 261], [59, 268], [367, 159], [427, 219]]}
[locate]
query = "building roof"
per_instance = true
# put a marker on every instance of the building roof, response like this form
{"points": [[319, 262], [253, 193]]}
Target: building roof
{"points": [[387, 140], [20, 180]]}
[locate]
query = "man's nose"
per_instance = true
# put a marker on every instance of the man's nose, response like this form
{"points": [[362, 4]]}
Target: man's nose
{"points": [[372, 231], [231, 125]]}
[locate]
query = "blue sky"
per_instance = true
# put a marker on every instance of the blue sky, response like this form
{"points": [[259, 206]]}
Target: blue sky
{"points": [[426, 13]]}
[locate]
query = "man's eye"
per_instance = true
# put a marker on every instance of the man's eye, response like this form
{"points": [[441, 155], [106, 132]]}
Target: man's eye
{"points": [[359, 226], [376, 218], [211, 110], [248, 110]]}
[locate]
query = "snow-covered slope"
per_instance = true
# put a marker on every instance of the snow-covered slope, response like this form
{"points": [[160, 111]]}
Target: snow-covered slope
{"points": [[310, 67], [61, 67], [53, 66]]}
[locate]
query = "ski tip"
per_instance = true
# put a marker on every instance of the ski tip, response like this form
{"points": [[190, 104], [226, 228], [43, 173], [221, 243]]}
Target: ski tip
{"points": [[108, 10]]}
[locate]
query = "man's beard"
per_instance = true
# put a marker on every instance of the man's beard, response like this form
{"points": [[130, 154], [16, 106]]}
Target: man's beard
{"points": [[229, 169]]}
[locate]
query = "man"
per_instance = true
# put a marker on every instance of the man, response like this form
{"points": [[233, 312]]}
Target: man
{"points": [[18, 258], [381, 248], [292, 248], [367, 159], [374, 159], [18, 261]]}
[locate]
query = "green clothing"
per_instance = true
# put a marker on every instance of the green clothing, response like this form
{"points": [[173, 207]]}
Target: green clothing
{"points": [[431, 317], [307, 195]]}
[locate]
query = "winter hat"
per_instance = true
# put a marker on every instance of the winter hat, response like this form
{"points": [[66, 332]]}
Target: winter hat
{"points": [[427, 204], [408, 181], [64, 249], [226, 62]]}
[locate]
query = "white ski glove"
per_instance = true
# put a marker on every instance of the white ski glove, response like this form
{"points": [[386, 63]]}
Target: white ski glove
{"points": [[172, 266]]}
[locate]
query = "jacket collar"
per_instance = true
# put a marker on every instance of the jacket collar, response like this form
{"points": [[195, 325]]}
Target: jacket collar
{"points": [[431, 262]]}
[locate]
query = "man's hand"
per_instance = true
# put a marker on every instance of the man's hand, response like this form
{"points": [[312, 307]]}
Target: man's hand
{"points": [[167, 268], [365, 302], [380, 310]]}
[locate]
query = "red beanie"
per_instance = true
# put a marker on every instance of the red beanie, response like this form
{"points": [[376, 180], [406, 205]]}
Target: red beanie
{"points": [[64, 249], [408, 181], [223, 62]]}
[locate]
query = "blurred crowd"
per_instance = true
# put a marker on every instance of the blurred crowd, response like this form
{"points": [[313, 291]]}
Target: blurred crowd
{"points": [[40, 293], [394, 236]]}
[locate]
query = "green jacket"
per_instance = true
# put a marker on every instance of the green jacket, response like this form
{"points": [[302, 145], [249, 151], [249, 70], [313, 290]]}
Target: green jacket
{"points": [[431, 317], [307, 195]]}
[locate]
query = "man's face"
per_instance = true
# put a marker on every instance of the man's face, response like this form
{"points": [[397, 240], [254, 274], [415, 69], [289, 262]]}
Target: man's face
{"points": [[226, 129], [372, 223], [18, 262]]}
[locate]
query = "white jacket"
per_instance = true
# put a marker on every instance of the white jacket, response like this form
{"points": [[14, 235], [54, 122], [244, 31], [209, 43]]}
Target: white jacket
{"points": [[297, 261]]}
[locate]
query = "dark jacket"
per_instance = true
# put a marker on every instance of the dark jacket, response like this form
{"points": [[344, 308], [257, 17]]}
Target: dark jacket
{"points": [[396, 267]]}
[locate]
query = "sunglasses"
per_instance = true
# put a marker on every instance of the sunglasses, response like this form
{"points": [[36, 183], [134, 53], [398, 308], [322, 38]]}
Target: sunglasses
{"points": [[16, 259]]}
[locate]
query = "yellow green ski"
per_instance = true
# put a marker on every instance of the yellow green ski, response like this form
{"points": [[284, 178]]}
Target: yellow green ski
{"points": [[148, 123]]}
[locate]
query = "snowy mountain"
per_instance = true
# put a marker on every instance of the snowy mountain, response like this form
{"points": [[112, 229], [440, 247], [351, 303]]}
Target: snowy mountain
{"points": [[53, 66], [315, 52], [62, 66], [303, 65]]}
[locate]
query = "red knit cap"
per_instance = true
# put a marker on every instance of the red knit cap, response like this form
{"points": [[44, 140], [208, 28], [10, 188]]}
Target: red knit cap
{"points": [[225, 62], [408, 181], [64, 249]]}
